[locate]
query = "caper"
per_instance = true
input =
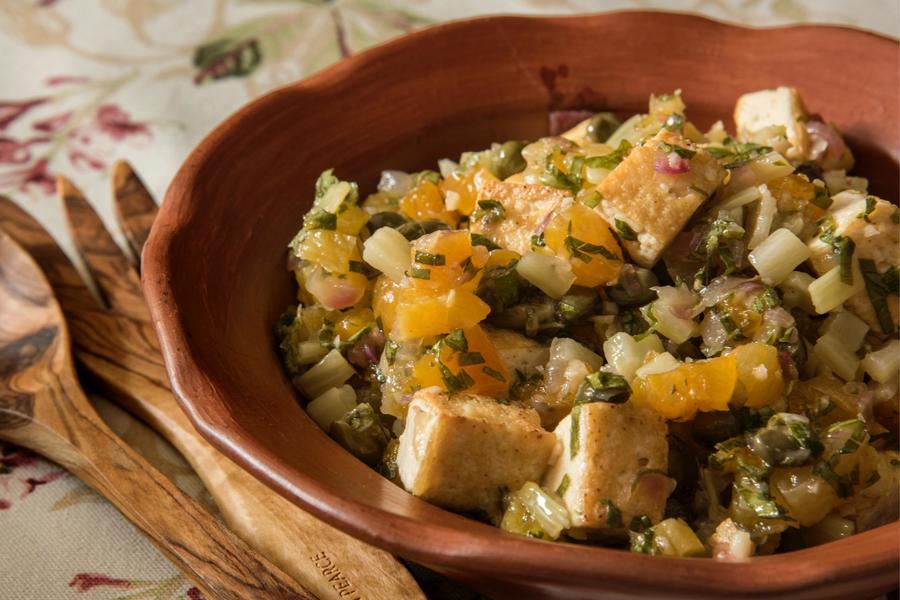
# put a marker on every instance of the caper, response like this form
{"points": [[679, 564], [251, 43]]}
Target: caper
{"points": [[601, 126], [577, 303], [387, 218], [634, 286], [432, 225], [414, 230], [507, 159]]}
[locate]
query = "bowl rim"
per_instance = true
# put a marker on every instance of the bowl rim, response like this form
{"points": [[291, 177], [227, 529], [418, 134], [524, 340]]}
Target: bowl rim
{"points": [[486, 549]]}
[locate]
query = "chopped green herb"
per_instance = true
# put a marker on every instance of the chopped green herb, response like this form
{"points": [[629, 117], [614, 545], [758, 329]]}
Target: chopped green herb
{"points": [[625, 231], [593, 199], [674, 122], [426, 258], [494, 373], [420, 273], [753, 495], [318, 218], [554, 177], [454, 382], [456, 339], [357, 266], [640, 523], [575, 432], [490, 210], [871, 201], [426, 175], [480, 240], [611, 160], [873, 478], [601, 386], [843, 248], [822, 199], [767, 299], [613, 514], [537, 241], [642, 542], [679, 150], [841, 483], [879, 287], [390, 351], [326, 334], [583, 250], [563, 485], [470, 358]]}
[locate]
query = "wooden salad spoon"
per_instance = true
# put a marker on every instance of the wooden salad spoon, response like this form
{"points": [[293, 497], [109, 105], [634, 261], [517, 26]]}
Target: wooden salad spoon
{"points": [[118, 350], [43, 408]]}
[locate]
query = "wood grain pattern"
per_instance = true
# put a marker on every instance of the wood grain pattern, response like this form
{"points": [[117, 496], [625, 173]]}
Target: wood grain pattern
{"points": [[135, 207], [214, 275], [120, 354], [59, 422]]}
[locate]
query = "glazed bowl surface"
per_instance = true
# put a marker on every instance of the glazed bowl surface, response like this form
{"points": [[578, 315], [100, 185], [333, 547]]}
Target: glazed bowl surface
{"points": [[215, 278]]}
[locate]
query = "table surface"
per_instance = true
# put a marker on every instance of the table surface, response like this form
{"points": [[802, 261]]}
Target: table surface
{"points": [[85, 82]]}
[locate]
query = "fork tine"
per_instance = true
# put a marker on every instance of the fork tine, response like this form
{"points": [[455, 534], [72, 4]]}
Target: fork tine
{"points": [[73, 294], [135, 207], [117, 280]]}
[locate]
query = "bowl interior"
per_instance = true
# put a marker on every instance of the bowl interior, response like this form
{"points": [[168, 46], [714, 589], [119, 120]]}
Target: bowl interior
{"points": [[215, 265]]}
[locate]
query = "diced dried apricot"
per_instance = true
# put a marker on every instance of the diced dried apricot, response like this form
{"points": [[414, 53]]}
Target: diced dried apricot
{"points": [[423, 312], [485, 372], [581, 236], [466, 185], [425, 202], [332, 250], [501, 257], [445, 260], [351, 219], [759, 374], [702, 385], [353, 321]]}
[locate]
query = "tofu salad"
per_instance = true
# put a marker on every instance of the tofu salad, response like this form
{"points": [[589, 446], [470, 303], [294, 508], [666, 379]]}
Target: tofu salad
{"points": [[635, 334]]}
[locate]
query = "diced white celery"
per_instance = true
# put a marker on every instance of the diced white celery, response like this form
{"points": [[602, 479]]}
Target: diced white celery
{"points": [[771, 166], [795, 291], [625, 131], [846, 328], [388, 251], [331, 405], [547, 510], [447, 167], [765, 215], [452, 200], [335, 195], [675, 328], [595, 175], [674, 537], [745, 196], [884, 364], [551, 274], [837, 181], [828, 291], [661, 363], [837, 357], [626, 354], [777, 255], [331, 371], [310, 352], [568, 364]]}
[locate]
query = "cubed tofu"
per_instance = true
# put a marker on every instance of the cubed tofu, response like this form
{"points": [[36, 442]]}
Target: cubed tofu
{"points": [[463, 452], [519, 353], [781, 107], [527, 210], [876, 235], [657, 205], [611, 465]]}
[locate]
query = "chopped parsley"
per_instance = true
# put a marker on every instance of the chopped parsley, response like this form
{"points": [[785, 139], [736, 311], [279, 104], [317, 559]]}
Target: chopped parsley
{"points": [[426, 258], [390, 351], [454, 382], [601, 386], [554, 177], [575, 432], [610, 161], [480, 240], [456, 339], [879, 286], [871, 201], [319, 218], [494, 374], [563, 485], [679, 150], [420, 273], [584, 250], [470, 358], [356, 266], [537, 241], [490, 210], [625, 231], [613, 514], [843, 248], [593, 199]]}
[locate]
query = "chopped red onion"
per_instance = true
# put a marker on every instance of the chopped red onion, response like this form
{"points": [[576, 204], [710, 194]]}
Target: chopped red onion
{"points": [[671, 163], [834, 145]]}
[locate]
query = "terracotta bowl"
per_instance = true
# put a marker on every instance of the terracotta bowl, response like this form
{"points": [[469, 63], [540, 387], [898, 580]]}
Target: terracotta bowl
{"points": [[216, 281]]}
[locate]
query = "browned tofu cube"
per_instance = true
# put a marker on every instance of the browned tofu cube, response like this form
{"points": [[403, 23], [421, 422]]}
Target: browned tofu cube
{"points": [[656, 190], [527, 209], [463, 452], [781, 107], [611, 468]]}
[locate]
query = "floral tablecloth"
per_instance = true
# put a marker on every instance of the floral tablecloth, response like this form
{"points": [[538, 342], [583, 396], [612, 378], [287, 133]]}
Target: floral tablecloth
{"points": [[84, 82]]}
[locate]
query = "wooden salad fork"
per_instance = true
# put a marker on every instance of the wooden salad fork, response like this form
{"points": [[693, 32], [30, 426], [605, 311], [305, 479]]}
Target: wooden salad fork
{"points": [[43, 408], [119, 352]]}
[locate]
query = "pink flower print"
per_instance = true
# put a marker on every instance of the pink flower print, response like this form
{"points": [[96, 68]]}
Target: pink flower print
{"points": [[16, 152], [81, 159], [33, 482], [12, 110], [53, 123], [4, 504], [12, 457], [195, 594], [36, 174], [65, 79], [85, 582], [117, 124]]}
